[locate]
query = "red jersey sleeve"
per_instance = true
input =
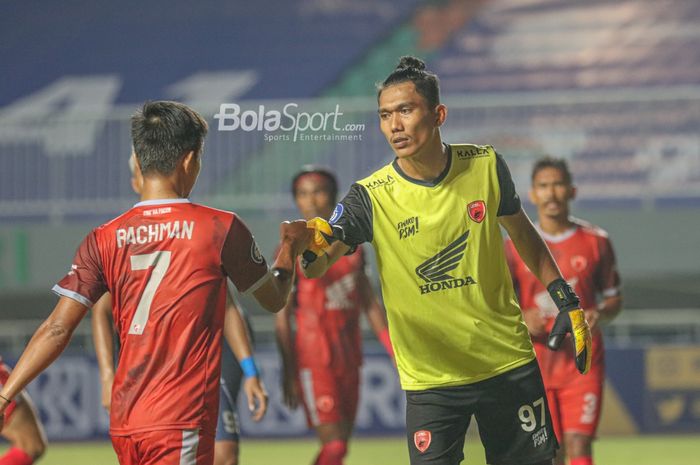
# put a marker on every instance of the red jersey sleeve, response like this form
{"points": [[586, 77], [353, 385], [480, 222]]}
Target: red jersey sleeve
{"points": [[241, 258], [85, 281], [607, 278]]}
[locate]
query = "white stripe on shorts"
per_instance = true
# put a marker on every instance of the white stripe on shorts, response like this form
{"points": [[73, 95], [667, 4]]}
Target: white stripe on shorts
{"points": [[190, 443], [307, 385]]}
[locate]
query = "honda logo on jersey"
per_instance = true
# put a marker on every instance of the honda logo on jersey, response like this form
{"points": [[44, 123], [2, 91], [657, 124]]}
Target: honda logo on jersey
{"points": [[477, 210], [435, 269]]}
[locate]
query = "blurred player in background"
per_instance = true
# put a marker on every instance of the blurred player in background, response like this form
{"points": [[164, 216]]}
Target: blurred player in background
{"points": [[165, 263], [23, 428], [585, 257], [321, 367], [433, 215], [238, 335], [236, 366]]}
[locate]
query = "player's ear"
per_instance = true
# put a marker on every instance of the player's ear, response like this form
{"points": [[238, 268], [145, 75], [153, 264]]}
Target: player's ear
{"points": [[136, 175], [441, 114], [137, 182], [134, 164], [190, 161], [572, 192]]}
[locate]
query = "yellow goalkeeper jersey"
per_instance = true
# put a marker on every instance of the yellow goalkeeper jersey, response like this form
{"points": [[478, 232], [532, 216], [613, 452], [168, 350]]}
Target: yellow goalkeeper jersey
{"points": [[453, 314]]}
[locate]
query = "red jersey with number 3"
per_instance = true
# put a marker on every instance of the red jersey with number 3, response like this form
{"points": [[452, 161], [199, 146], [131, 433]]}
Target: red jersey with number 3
{"points": [[165, 263], [328, 316], [586, 259]]}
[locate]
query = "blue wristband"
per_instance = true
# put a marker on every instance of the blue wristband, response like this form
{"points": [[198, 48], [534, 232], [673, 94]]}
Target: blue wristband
{"points": [[248, 367]]}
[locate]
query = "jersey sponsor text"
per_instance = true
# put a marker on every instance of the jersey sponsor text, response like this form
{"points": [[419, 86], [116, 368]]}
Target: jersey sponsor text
{"points": [[454, 283], [408, 227]]}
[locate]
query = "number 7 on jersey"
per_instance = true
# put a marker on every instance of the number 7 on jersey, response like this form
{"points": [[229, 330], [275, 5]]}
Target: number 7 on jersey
{"points": [[160, 260]]}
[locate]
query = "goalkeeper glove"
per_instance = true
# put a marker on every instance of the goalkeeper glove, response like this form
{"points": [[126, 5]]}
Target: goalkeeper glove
{"points": [[323, 238], [570, 319]]}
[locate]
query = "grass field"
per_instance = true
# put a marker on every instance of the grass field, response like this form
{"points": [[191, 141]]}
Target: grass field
{"points": [[639, 450]]}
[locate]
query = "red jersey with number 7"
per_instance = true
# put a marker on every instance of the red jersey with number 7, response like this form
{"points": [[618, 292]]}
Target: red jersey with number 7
{"points": [[165, 263]]}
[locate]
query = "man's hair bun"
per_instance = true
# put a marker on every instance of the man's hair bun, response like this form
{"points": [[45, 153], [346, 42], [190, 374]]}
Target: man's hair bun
{"points": [[408, 62]]}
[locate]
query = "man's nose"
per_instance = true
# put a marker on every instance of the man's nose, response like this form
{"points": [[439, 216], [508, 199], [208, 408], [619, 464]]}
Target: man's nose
{"points": [[396, 124]]}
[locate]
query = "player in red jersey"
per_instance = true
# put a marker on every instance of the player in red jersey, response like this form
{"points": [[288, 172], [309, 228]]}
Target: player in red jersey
{"points": [[165, 262], [321, 369], [586, 259], [23, 428], [238, 339]]}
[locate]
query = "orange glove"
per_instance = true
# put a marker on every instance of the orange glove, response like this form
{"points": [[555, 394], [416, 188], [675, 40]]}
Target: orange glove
{"points": [[323, 235]]}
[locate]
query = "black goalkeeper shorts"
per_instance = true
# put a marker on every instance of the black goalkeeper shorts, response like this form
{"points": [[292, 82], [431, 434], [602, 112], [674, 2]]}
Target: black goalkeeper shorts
{"points": [[511, 410]]}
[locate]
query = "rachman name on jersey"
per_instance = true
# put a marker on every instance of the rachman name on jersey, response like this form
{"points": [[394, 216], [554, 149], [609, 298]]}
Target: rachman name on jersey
{"points": [[154, 232]]}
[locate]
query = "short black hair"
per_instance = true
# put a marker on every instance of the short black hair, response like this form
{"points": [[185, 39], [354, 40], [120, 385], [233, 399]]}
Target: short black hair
{"points": [[551, 162], [413, 69], [163, 132], [321, 171]]}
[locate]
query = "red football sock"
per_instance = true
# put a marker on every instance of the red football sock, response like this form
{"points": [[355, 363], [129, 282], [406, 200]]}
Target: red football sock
{"points": [[16, 456], [332, 453], [581, 461]]}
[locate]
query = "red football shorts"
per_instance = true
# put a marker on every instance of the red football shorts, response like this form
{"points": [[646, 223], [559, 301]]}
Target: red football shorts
{"points": [[575, 408], [166, 447], [4, 374], [327, 397]]}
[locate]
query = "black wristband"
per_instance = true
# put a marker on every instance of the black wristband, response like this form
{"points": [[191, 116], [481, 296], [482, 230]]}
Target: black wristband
{"points": [[307, 257], [5, 399], [563, 295]]}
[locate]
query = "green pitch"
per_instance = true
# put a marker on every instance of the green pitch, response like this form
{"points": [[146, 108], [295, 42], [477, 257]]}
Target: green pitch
{"points": [[638, 450]]}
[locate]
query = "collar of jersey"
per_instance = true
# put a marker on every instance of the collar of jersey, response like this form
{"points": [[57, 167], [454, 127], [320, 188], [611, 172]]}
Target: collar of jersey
{"points": [[147, 203], [420, 182], [555, 239]]}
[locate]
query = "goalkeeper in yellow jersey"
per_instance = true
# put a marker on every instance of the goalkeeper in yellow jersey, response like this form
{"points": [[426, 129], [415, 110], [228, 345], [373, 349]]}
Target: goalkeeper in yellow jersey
{"points": [[462, 349]]}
